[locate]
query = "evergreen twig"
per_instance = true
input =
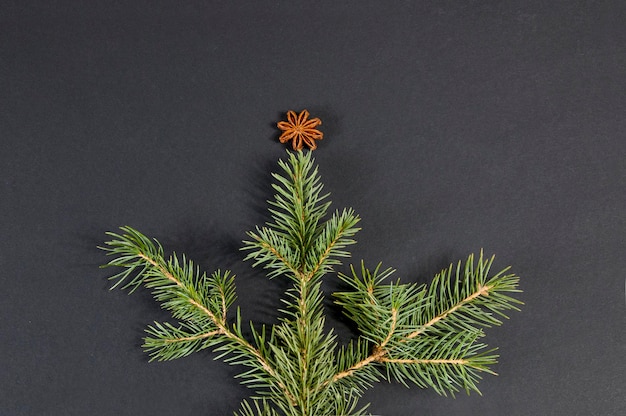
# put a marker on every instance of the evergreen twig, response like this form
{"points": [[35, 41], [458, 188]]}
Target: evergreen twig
{"points": [[424, 335]]}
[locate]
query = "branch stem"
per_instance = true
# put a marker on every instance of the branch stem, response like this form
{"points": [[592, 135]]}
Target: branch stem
{"points": [[482, 291], [378, 353]]}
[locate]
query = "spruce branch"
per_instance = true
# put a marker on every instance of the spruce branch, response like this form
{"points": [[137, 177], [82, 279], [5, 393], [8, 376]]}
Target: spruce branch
{"points": [[428, 336], [295, 243], [201, 302], [425, 335]]}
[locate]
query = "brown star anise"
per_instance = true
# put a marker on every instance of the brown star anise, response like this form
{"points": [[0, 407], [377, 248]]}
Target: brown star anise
{"points": [[300, 130]]}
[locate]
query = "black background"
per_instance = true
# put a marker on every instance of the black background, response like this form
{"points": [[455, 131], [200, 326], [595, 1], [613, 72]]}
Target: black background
{"points": [[449, 127]]}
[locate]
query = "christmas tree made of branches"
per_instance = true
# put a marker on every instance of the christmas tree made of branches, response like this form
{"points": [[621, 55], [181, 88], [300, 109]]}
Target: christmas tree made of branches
{"points": [[426, 335]]}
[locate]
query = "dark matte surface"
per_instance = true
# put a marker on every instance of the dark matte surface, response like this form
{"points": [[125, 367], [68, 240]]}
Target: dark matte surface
{"points": [[450, 127]]}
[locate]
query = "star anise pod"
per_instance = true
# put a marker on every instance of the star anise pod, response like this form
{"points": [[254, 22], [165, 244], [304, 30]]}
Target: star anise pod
{"points": [[300, 130]]}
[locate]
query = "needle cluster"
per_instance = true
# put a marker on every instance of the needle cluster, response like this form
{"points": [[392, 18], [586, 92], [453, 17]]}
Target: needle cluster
{"points": [[426, 335]]}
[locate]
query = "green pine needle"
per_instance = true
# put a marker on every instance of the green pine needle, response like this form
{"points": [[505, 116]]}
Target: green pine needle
{"points": [[425, 335]]}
